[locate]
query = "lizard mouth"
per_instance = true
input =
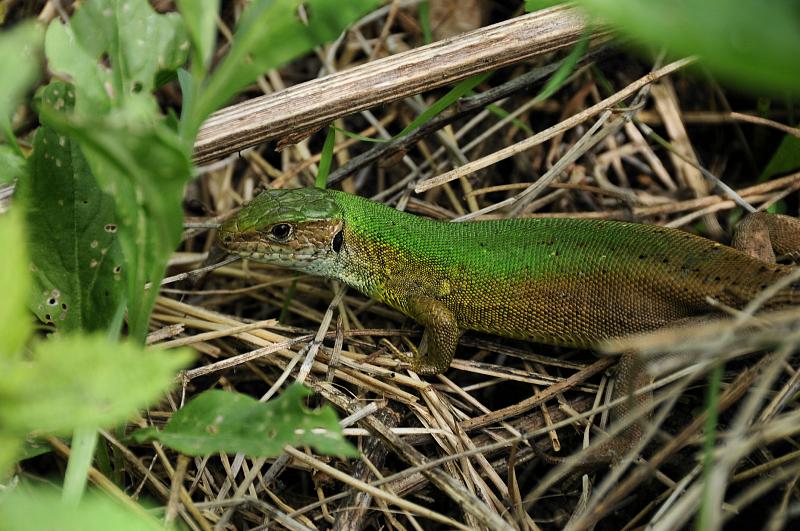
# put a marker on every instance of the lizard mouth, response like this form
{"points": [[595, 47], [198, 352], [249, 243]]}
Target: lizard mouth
{"points": [[255, 248]]}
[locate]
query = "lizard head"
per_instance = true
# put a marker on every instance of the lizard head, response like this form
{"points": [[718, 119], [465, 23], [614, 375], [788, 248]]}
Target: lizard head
{"points": [[300, 229]]}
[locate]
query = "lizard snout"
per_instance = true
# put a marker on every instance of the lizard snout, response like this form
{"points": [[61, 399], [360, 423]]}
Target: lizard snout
{"points": [[227, 233]]}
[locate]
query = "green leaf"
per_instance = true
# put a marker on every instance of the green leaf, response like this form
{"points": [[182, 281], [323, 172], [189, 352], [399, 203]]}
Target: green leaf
{"points": [[15, 282], [33, 447], [20, 48], [785, 159], [219, 421], [76, 381], [113, 49], [144, 168], [10, 448], [31, 508], [12, 164], [752, 43], [271, 33], [536, 5], [200, 19], [72, 231]]}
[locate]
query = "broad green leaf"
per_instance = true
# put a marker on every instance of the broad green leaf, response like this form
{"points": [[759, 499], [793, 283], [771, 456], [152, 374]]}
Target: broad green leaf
{"points": [[76, 381], [33, 446], [72, 228], [785, 159], [219, 421], [752, 43], [10, 449], [148, 169], [200, 19], [31, 508], [144, 168], [271, 33], [19, 68], [12, 164], [15, 281], [113, 49]]}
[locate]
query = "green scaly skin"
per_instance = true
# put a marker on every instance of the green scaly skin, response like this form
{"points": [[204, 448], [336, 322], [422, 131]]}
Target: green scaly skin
{"points": [[559, 281]]}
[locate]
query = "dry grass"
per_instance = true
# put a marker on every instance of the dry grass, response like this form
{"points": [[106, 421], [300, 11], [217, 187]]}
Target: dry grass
{"points": [[431, 447]]}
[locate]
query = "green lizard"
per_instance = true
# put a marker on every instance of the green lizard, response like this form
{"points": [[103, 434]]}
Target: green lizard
{"points": [[570, 282]]}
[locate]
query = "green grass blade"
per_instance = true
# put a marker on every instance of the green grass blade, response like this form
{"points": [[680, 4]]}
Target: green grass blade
{"points": [[326, 158], [445, 101]]}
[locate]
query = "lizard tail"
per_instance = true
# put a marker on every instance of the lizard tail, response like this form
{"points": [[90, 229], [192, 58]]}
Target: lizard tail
{"points": [[741, 295], [789, 296]]}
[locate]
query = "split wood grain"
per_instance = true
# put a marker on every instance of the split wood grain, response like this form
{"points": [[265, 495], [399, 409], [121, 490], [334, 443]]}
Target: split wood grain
{"points": [[292, 114]]}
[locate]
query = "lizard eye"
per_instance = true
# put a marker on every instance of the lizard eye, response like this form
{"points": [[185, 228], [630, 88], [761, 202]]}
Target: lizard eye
{"points": [[281, 232]]}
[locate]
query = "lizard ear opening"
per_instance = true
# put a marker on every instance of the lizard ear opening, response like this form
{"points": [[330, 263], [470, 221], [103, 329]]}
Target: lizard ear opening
{"points": [[336, 244]]}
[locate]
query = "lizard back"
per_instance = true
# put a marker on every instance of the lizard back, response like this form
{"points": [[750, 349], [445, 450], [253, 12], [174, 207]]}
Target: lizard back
{"points": [[554, 280]]}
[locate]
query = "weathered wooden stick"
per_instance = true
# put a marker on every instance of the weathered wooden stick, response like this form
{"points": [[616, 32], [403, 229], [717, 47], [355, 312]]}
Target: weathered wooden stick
{"points": [[292, 114]]}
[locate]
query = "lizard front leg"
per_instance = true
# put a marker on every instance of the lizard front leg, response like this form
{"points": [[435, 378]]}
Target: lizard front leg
{"points": [[440, 339]]}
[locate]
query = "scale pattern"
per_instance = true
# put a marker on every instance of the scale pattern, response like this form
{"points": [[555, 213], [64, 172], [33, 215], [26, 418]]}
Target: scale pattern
{"points": [[560, 281]]}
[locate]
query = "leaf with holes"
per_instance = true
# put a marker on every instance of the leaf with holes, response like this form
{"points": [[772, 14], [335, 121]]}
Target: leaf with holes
{"points": [[112, 51], [144, 168], [219, 421], [72, 228]]}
